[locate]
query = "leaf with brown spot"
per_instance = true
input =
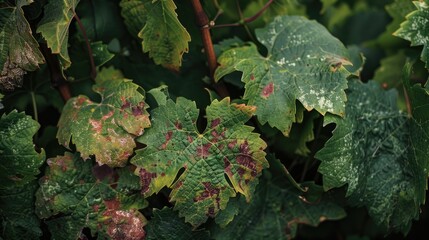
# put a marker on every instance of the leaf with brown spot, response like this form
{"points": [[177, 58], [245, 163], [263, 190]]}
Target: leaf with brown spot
{"points": [[106, 129], [74, 194], [224, 159]]}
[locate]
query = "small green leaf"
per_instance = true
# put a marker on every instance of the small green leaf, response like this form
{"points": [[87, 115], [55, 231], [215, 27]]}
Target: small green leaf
{"points": [[297, 67], [167, 225], [414, 29], [156, 22], [54, 27], [380, 153], [19, 162], [17, 217], [73, 194], [106, 129], [276, 213], [226, 158]]}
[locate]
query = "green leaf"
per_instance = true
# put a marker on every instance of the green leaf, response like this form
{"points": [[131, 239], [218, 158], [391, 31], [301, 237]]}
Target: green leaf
{"points": [[414, 29], [19, 162], [157, 24], [166, 225], [17, 217], [73, 194], [54, 27], [398, 10], [380, 153], [17, 44], [106, 129], [297, 67], [226, 158], [276, 213], [327, 4]]}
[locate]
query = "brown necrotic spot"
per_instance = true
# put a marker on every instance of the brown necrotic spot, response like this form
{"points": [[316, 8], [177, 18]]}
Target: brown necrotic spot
{"points": [[246, 161], [178, 125], [145, 179], [268, 90], [168, 137], [209, 192], [124, 225], [215, 123], [203, 151]]}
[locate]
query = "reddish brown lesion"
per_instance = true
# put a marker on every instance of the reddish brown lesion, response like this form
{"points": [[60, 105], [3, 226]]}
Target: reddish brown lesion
{"points": [[146, 179], [203, 150], [268, 90], [168, 137], [125, 224], [245, 159], [209, 192]]}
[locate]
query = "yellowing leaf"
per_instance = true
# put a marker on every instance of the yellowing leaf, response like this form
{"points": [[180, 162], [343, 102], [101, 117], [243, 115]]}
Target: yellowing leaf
{"points": [[226, 158], [54, 27], [304, 63], [157, 24], [106, 129]]}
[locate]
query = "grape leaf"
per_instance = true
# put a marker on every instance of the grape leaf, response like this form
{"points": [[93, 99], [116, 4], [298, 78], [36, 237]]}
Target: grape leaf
{"points": [[304, 63], [226, 158], [19, 162], [17, 44], [156, 22], [415, 30], [54, 27], [166, 225], [106, 129], [17, 216], [380, 153], [73, 194], [398, 10], [276, 213]]}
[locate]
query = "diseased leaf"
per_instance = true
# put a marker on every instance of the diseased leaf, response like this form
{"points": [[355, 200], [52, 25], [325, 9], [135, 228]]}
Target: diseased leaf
{"points": [[17, 217], [19, 161], [166, 225], [19, 51], [380, 153], [73, 194], [226, 158], [398, 10], [415, 30], [54, 27], [156, 22], [106, 129], [304, 63], [275, 213]]}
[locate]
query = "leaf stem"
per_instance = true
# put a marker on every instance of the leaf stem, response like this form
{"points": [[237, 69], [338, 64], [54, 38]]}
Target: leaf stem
{"points": [[204, 24], [246, 20], [33, 101], [88, 46]]}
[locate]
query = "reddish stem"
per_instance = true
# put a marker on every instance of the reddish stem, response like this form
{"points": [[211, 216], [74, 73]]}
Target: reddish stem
{"points": [[88, 46], [203, 23], [57, 78]]}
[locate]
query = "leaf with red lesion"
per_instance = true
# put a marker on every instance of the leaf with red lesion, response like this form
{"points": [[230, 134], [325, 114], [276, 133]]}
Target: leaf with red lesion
{"points": [[106, 129], [75, 194], [204, 170]]}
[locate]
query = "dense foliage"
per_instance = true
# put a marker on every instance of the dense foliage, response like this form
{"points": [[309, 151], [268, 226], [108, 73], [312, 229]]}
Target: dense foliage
{"points": [[219, 119]]}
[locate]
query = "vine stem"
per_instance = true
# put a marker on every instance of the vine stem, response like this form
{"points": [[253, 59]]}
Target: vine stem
{"points": [[33, 101], [245, 20], [57, 78], [203, 22], [88, 46]]}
